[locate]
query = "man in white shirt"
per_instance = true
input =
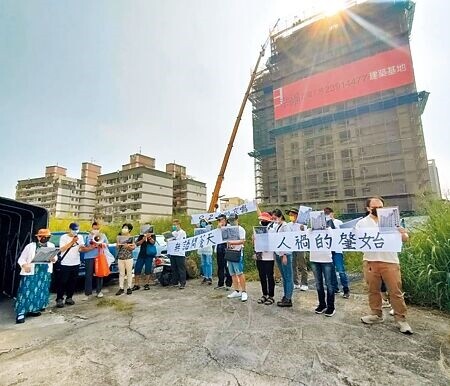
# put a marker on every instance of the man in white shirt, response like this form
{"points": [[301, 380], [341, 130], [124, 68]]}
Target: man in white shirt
{"points": [[384, 266], [67, 274], [178, 260]]}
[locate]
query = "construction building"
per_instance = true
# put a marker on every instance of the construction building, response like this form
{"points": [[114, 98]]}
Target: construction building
{"points": [[434, 176], [189, 195], [61, 195], [336, 112]]}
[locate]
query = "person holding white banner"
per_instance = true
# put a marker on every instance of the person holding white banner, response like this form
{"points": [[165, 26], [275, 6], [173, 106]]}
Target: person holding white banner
{"points": [[284, 261], [178, 259], [383, 266]]}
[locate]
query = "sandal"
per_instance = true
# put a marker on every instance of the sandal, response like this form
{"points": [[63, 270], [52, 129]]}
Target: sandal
{"points": [[262, 299], [269, 301], [146, 287]]}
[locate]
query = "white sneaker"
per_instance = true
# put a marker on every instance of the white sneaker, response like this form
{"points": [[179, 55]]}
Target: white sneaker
{"points": [[100, 295], [372, 319], [86, 298], [405, 328], [297, 286], [304, 288], [391, 312], [244, 296], [234, 294]]}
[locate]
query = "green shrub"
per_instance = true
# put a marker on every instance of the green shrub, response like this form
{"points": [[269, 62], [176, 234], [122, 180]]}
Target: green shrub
{"points": [[425, 259]]}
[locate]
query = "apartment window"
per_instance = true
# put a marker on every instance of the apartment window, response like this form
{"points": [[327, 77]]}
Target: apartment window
{"points": [[295, 162], [326, 140], [330, 193], [329, 176], [312, 179], [309, 143], [313, 194], [350, 192], [346, 154], [347, 174], [311, 162], [352, 207]]}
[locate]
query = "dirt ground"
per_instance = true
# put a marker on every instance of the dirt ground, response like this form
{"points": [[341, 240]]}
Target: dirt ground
{"points": [[199, 337]]}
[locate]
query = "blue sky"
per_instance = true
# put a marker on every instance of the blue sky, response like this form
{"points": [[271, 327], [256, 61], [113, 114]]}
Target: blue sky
{"points": [[98, 80]]}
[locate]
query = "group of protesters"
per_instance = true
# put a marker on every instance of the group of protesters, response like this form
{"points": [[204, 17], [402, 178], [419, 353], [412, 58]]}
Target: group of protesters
{"points": [[381, 269]]}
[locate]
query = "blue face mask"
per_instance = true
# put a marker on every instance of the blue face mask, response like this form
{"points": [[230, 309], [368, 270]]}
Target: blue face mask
{"points": [[203, 224], [174, 228]]}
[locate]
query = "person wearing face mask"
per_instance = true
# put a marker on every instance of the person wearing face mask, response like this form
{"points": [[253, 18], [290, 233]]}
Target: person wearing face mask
{"points": [[337, 256], [265, 264], [125, 248], [236, 268], [178, 261], [383, 266], [223, 275], [91, 251], [298, 258], [284, 261], [34, 288], [67, 273], [206, 258]]}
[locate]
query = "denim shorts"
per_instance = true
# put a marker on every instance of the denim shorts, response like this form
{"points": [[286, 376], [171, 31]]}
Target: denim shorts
{"points": [[146, 261], [235, 268]]}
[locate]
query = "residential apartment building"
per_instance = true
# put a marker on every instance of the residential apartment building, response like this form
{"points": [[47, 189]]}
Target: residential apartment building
{"points": [[63, 196], [336, 112], [189, 195], [138, 192], [228, 203]]}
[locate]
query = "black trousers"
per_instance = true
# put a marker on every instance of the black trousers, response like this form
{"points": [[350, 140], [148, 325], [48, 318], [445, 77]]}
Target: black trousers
{"points": [[66, 281], [222, 270], [265, 269], [88, 278], [178, 264]]}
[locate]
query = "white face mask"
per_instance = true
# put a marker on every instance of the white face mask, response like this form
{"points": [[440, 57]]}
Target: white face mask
{"points": [[125, 230], [95, 231], [75, 231]]}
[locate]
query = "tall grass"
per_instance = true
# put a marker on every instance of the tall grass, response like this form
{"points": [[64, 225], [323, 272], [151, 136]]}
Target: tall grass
{"points": [[425, 259]]}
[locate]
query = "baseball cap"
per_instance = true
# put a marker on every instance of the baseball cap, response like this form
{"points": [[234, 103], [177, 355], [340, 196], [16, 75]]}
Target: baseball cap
{"points": [[221, 216], [74, 226]]}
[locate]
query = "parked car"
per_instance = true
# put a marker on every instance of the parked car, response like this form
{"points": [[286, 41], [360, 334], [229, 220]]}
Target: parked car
{"points": [[82, 271]]}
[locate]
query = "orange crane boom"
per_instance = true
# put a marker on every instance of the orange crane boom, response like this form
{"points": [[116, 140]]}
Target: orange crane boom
{"points": [[221, 176]]}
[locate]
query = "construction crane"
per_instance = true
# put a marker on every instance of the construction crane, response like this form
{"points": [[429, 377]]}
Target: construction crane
{"points": [[221, 176]]}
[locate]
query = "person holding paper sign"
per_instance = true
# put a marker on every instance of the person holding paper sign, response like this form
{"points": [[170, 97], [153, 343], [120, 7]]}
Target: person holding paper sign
{"points": [[178, 261], [235, 268], [383, 266], [34, 288], [206, 257], [223, 275], [284, 261], [125, 247], [298, 258]]}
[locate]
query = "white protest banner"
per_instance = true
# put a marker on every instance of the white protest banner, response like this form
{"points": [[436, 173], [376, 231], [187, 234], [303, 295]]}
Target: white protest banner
{"points": [[368, 240], [247, 207], [179, 247]]}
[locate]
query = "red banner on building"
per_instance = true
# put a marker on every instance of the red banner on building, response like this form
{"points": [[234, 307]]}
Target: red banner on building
{"points": [[389, 69]]}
